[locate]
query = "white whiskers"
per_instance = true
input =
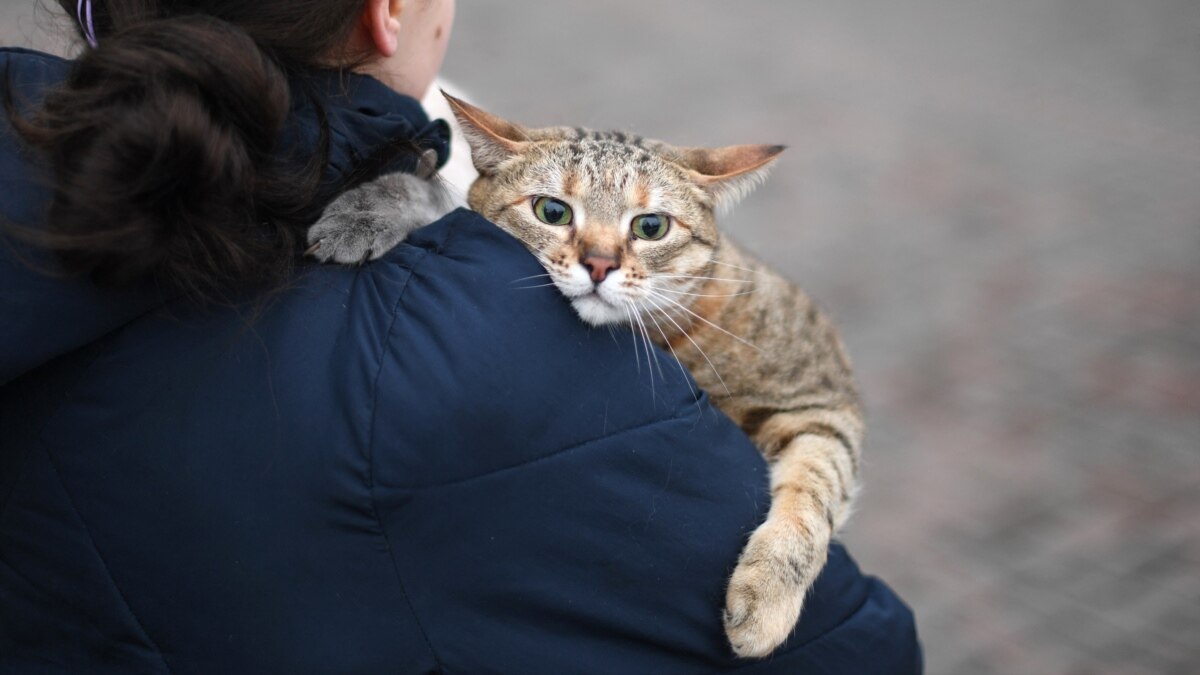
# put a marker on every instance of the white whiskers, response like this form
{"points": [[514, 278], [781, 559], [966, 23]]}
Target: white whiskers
{"points": [[744, 269], [679, 305], [690, 276], [532, 276], [705, 295], [526, 288], [641, 328], [668, 317], [695, 394]]}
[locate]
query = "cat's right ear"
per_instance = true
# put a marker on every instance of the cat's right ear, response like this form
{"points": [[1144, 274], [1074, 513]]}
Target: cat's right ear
{"points": [[492, 139], [729, 173]]}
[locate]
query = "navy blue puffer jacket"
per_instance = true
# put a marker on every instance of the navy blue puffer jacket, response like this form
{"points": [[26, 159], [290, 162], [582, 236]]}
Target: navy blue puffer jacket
{"points": [[412, 467]]}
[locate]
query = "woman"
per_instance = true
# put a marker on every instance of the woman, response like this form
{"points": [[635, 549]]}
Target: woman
{"points": [[212, 462]]}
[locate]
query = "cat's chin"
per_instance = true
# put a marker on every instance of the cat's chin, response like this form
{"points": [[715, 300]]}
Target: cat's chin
{"points": [[595, 311]]}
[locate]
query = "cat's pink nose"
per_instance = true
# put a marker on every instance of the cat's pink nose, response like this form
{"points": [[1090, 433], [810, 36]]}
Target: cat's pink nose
{"points": [[600, 265]]}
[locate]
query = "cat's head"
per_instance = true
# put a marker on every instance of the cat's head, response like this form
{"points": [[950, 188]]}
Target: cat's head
{"points": [[624, 226]]}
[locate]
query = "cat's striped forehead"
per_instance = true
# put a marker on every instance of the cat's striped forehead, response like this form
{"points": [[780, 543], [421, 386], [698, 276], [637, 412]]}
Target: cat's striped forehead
{"points": [[609, 172], [597, 146], [619, 137], [617, 147]]}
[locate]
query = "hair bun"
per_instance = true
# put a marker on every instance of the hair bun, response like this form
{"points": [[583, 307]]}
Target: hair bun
{"points": [[161, 142]]}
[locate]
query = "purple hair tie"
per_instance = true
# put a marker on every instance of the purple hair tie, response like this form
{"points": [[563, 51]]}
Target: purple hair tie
{"points": [[84, 11]]}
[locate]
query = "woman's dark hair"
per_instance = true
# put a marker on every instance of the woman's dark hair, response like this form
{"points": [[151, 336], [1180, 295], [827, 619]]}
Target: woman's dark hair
{"points": [[162, 140]]}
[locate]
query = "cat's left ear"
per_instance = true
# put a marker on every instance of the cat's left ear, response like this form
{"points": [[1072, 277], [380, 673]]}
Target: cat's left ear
{"points": [[492, 139], [728, 174]]}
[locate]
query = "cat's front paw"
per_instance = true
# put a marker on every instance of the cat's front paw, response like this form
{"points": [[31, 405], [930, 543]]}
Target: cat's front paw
{"points": [[371, 219], [766, 591], [352, 238]]}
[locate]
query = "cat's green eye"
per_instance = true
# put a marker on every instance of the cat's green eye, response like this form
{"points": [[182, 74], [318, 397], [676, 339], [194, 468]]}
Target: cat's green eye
{"points": [[650, 226], [552, 211]]}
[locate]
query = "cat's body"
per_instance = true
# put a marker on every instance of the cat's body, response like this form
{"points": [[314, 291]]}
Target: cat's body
{"points": [[625, 229]]}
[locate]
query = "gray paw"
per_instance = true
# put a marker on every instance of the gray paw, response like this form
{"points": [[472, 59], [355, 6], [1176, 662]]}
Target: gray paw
{"points": [[352, 238], [364, 223]]}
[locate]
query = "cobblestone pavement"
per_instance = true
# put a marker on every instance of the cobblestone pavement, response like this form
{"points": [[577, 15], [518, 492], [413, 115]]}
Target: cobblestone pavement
{"points": [[1000, 203]]}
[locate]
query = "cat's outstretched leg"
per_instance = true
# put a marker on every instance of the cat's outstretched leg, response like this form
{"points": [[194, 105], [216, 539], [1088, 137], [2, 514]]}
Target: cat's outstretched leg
{"points": [[766, 591], [369, 220], [811, 492]]}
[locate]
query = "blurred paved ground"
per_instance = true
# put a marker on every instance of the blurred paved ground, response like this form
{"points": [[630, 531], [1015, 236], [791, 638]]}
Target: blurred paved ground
{"points": [[1000, 202]]}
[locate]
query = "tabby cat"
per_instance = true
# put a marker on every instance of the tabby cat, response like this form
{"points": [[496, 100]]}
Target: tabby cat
{"points": [[625, 228]]}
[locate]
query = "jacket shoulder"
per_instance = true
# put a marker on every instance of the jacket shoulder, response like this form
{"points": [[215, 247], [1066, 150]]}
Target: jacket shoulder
{"points": [[527, 464], [490, 353]]}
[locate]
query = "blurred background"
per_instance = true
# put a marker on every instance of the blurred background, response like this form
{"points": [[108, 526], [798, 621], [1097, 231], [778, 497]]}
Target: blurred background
{"points": [[1000, 204]]}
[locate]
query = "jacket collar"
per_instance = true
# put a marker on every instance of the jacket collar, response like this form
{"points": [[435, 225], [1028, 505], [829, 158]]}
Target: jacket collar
{"points": [[368, 122]]}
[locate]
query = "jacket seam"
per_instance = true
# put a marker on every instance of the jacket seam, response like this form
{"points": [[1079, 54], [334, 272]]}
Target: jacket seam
{"points": [[52, 412], [104, 564], [548, 456], [6, 498], [450, 236], [383, 358]]}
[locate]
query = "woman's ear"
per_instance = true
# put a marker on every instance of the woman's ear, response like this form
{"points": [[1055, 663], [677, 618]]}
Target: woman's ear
{"points": [[381, 21]]}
